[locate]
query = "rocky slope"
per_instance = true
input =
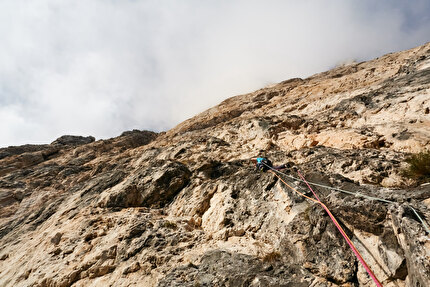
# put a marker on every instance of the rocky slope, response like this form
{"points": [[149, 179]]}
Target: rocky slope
{"points": [[187, 208]]}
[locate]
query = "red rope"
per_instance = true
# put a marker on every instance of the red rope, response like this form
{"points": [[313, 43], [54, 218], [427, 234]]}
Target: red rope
{"points": [[336, 223], [356, 252]]}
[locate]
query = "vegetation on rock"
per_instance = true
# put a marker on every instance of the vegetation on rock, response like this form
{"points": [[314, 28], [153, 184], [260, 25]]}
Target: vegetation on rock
{"points": [[419, 166]]}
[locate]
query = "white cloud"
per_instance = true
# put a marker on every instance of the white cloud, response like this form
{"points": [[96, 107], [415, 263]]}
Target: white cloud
{"points": [[101, 67]]}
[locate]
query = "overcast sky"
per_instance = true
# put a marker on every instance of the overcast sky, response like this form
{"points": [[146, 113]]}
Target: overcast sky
{"points": [[100, 67]]}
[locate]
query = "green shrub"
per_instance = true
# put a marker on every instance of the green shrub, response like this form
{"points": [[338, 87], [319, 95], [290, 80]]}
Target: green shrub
{"points": [[419, 166]]}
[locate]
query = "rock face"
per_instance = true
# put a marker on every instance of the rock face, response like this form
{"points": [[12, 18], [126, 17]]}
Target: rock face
{"points": [[187, 208], [73, 140]]}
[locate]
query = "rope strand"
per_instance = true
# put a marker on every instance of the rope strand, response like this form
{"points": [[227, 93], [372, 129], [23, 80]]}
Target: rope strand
{"points": [[336, 223], [354, 249], [357, 194]]}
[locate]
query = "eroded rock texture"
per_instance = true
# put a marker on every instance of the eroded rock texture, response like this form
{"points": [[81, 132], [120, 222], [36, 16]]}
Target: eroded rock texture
{"points": [[187, 208]]}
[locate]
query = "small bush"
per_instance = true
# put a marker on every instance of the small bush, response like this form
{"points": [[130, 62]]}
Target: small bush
{"points": [[272, 256], [419, 166], [170, 225]]}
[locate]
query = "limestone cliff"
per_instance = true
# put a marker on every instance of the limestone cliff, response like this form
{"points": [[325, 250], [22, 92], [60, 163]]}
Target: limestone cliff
{"points": [[187, 208]]}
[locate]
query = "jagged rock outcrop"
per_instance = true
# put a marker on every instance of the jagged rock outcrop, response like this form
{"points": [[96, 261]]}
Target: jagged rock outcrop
{"points": [[187, 208], [153, 185], [73, 140]]}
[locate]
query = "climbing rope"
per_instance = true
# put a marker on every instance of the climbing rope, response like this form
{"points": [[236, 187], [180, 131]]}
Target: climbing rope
{"points": [[354, 249], [336, 223], [357, 194]]}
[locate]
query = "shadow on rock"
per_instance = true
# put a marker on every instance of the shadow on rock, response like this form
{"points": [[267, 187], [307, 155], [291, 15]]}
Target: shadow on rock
{"points": [[153, 186]]}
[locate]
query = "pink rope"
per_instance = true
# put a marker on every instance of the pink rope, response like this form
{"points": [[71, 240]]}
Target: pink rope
{"points": [[356, 252]]}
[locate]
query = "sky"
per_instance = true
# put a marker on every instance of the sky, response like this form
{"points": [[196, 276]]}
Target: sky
{"points": [[101, 67]]}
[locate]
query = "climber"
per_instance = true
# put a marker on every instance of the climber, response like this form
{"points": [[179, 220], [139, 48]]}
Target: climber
{"points": [[263, 164]]}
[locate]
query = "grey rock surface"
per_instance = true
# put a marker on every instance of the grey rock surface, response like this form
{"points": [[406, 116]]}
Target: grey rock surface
{"points": [[73, 140]]}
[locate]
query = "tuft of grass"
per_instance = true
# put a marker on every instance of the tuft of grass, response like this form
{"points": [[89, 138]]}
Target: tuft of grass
{"points": [[419, 166], [307, 213], [272, 256], [170, 225]]}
